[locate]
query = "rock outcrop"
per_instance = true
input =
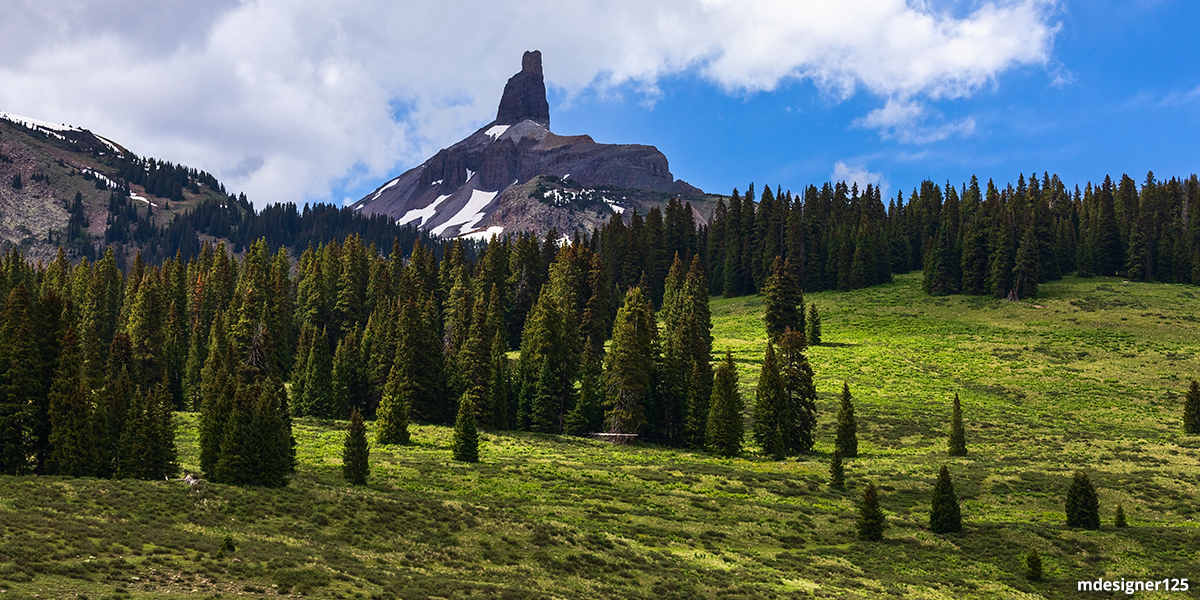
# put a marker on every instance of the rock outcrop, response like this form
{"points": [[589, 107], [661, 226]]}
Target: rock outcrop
{"points": [[525, 94], [458, 190]]}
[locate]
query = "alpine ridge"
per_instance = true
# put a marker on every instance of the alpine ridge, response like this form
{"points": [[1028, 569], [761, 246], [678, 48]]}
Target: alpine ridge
{"points": [[514, 174]]}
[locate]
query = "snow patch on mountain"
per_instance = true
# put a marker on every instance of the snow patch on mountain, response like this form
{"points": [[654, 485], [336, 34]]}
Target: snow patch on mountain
{"points": [[470, 214], [422, 213], [496, 131]]}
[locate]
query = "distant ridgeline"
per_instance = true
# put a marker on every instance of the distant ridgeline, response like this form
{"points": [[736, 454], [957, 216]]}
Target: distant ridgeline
{"points": [[90, 194]]}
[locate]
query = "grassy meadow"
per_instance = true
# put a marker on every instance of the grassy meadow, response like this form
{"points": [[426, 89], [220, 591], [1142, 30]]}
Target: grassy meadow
{"points": [[1089, 376]]}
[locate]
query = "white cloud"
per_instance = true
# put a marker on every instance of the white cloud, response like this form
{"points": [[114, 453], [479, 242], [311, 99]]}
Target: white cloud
{"points": [[860, 176], [286, 98], [910, 122]]}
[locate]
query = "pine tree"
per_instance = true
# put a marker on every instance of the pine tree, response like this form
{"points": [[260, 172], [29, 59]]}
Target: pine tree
{"points": [[588, 414], [355, 453], [73, 443], [20, 368], [725, 433], [391, 420], [628, 365], [871, 521], [1083, 504], [837, 472], [847, 425], [1025, 273], [1191, 409], [783, 300], [147, 447], [318, 399], [769, 409], [800, 394], [466, 437], [958, 436], [812, 326], [1119, 519], [1033, 566], [945, 516]]}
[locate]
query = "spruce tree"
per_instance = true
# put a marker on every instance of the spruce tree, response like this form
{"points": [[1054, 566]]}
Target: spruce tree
{"points": [[812, 326], [355, 453], [277, 446], [837, 472], [628, 365], [1083, 504], [147, 447], [466, 437], [800, 394], [318, 399], [588, 414], [769, 410], [871, 521], [1119, 518], [391, 420], [725, 432], [847, 425], [783, 300], [1033, 566], [958, 436], [1191, 409], [1025, 273], [73, 444], [945, 516]]}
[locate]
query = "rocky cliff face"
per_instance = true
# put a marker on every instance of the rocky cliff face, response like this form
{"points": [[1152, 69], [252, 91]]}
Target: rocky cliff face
{"points": [[464, 189]]}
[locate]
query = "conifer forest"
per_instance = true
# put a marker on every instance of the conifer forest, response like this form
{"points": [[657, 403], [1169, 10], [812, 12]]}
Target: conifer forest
{"points": [[239, 331]]}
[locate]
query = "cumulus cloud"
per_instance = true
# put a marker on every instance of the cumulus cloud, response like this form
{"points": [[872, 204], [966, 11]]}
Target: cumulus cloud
{"points": [[910, 122], [287, 99], [858, 175]]}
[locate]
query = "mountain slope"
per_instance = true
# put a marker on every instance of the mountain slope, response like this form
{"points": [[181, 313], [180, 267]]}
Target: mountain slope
{"points": [[64, 185], [482, 183]]}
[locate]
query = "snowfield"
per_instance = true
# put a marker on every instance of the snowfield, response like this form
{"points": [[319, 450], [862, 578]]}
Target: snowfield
{"points": [[421, 213], [470, 214]]}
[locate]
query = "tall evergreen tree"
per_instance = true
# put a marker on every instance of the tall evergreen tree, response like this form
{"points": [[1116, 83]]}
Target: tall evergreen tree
{"points": [[783, 300], [945, 516], [147, 447], [20, 369], [1191, 409], [847, 425], [770, 421], [391, 420], [628, 365], [871, 521], [1025, 273], [355, 453], [958, 436], [466, 438], [800, 394], [1083, 504], [812, 326], [73, 443], [318, 398], [725, 432]]}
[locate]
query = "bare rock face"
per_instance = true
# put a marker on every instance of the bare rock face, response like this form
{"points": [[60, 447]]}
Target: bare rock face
{"points": [[525, 94], [459, 190]]}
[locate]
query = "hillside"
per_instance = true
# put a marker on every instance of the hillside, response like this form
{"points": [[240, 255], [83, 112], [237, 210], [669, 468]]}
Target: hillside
{"points": [[1088, 376]]}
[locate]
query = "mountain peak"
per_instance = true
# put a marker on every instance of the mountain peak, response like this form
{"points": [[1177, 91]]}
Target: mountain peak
{"points": [[525, 94]]}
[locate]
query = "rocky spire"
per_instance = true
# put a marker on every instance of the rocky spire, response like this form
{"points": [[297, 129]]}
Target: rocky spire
{"points": [[525, 94]]}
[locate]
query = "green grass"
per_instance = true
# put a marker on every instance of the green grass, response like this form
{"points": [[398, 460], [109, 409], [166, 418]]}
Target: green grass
{"points": [[1089, 377]]}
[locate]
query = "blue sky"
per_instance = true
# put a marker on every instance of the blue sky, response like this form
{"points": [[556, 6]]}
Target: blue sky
{"points": [[1119, 94], [323, 100]]}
